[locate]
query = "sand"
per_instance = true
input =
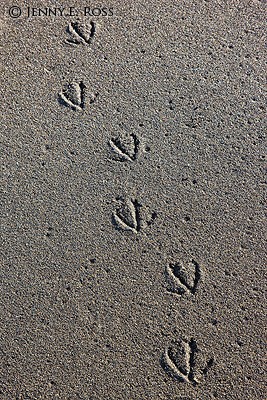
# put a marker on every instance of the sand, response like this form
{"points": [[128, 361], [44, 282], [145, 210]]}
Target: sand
{"points": [[132, 200]]}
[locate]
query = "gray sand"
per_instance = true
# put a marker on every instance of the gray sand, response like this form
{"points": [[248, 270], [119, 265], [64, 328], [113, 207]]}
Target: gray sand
{"points": [[132, 201]]}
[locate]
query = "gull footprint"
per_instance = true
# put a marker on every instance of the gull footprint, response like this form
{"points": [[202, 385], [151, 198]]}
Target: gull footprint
{"points": [[183, 279], [80, 33], [73, 96], [125, 150], [181, 361], [128, 215]]}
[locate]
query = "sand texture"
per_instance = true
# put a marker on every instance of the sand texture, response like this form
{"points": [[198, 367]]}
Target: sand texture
{"points": [[132, 226]]}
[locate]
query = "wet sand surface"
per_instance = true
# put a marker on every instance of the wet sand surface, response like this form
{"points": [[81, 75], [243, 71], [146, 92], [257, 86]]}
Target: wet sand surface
{"points": [[132, 200]]}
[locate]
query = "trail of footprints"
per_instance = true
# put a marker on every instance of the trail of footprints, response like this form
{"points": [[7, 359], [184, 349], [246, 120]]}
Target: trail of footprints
{"points": [[180, 358]]}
